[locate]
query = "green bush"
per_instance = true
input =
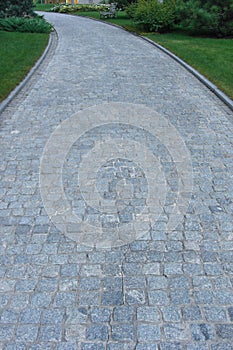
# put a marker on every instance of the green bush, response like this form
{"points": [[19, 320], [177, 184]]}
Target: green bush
{"points": [[26, 25], [17, 8], [79, 8], [131, 9], [211, 17], [123, 4], [153, 15]]}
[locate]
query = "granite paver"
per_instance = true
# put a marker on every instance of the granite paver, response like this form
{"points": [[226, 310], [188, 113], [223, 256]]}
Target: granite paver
{"points": [[164, 290]]}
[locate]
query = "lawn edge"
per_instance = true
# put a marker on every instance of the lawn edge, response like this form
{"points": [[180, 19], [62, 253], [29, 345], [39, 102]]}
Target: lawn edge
{"points": [[211, 86], [31, 72]]}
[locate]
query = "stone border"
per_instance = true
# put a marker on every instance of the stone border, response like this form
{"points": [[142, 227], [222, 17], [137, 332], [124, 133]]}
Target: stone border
{"points": [[223, 97], [19, 87], [212, 87], [194, 72]]}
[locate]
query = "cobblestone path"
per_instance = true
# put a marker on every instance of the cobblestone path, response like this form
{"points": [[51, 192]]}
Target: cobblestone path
{"points": [[160, 289]]}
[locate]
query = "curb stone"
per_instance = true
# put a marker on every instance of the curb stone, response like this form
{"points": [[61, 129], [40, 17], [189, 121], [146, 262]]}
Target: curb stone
{"points": [[212, 87], [19, 87], [170, 290], [199, 76]]}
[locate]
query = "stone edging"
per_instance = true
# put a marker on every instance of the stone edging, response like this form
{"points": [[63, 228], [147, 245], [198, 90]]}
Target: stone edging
{"points": [[199, 76], [223, 97], [19, 87]]}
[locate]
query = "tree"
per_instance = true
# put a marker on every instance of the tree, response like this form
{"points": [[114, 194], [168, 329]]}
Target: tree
{"points": [[122, 4], [214, 17], [17, 8]]}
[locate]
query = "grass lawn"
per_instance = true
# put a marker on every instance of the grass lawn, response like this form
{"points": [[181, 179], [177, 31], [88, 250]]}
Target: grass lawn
{"points": [[43, 7], [121, 20], [211, 57], [18, 53]]}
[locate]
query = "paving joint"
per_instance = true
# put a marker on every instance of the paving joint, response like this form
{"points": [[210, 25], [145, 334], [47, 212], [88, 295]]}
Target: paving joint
{"points": [[111, 110], [212, 87]]}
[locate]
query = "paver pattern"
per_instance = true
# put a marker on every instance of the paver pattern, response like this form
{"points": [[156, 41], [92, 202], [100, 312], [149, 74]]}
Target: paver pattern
{"points": [[165, 290]]}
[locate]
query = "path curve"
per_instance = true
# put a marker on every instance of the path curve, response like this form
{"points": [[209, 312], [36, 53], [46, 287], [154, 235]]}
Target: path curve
{"points": [[165, 290]]}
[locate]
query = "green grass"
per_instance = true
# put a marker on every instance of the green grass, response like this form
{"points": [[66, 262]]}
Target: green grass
{"points": [[121, 20], [211, 57], [43, 7], [18, 53]]}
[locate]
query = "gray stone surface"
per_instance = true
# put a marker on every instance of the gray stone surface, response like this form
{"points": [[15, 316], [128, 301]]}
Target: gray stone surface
{"points": [[166, 290]]}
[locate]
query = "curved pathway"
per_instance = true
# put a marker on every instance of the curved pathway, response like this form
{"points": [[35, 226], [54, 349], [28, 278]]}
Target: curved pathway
{"points": [[165, 289]]}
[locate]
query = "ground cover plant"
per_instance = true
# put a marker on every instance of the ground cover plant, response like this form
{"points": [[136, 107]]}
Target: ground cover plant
{"points": [[26, 25], [18, 53]]}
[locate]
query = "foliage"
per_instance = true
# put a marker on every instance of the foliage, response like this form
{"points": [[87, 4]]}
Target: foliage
{"points": [[123, 4], [26, 25], [82, 8], [209, 17], [154, 15], [17, 8], [18, 53], [131, 9]]}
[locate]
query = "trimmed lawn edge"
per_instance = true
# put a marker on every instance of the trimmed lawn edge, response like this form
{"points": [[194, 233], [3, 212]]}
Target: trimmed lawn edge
{"points": [[31, 72], [212, 87]]}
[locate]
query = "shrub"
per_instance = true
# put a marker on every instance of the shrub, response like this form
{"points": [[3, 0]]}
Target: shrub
{"points": [[153, 15], [18, 8], [27, 25], [211, 17], [131, 9], [123, 4], [79, 8]]}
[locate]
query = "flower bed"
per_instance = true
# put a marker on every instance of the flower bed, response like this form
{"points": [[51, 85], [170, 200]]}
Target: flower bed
{"points": [[79, 8]]}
